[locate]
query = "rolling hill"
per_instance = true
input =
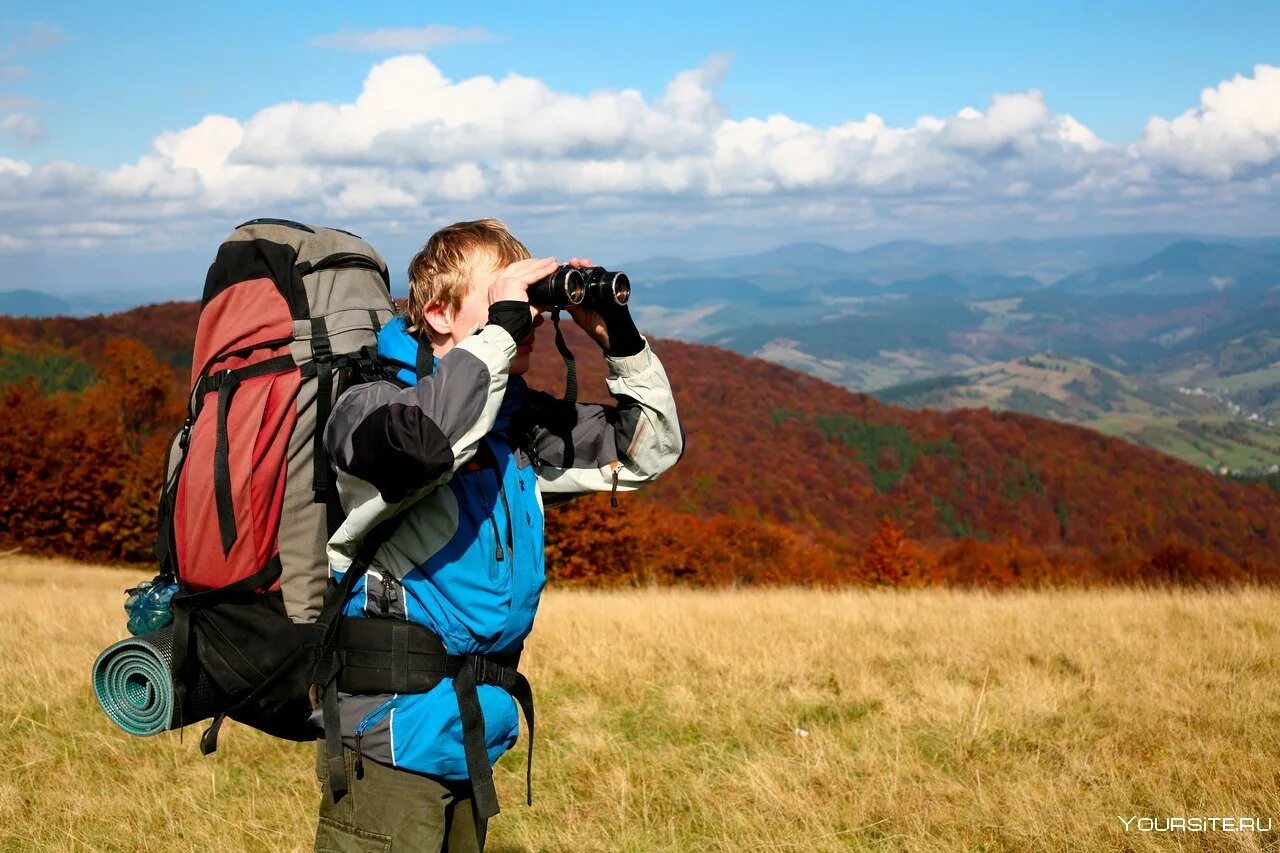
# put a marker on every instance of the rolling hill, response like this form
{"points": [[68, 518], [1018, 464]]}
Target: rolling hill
{"points": [[785, 478], [1188, 266], [1202, 428]]}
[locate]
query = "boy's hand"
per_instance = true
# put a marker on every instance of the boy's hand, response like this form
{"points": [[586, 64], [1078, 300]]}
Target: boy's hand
{"points": [[514, 280], [589, 318]]}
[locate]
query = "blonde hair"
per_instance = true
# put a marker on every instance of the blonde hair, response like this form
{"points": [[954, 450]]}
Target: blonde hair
{"points": [[441, 269]]}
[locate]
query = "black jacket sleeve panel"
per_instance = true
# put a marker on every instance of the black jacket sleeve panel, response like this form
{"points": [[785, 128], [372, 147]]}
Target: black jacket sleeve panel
{"points": [[397, 448], [403, 439]]}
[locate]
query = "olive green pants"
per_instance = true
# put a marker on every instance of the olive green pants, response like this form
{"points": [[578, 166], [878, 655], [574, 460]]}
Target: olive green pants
{"points": [[395, 811]]}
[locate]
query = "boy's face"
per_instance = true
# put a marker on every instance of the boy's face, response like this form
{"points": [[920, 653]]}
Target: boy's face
{"points": [[474, 312]]}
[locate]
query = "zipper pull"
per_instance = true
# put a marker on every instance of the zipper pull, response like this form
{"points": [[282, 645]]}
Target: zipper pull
{"points": [[359, 765], [613, 495], [497, 540], [388, 596]]}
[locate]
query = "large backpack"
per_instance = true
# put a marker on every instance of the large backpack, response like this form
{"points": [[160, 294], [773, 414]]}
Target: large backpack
{"points": [[289, 317]]}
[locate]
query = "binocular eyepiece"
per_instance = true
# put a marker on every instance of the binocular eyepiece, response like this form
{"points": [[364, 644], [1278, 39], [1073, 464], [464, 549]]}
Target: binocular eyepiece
{"points": [[593, 286]]}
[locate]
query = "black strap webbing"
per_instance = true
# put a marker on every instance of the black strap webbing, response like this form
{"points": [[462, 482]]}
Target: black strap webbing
{"points": [[166, 532], [225, 384], [328, 662], [400, 656], [426, 356], [522, 692], [473, 670], [392, 655], [222, 469], [333, 731], [214, 381], [570, 365], [322, 358], [484, 795]]}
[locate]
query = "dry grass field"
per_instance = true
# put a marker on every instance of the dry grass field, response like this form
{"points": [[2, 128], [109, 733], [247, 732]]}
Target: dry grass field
{"points": [[759, 720]]}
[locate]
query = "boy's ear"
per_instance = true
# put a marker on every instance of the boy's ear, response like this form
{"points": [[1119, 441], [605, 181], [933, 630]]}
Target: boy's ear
{"points": [[437, 317]]}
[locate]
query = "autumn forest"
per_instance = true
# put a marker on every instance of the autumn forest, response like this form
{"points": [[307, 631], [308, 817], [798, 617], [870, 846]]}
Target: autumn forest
{"points": [[785, 479]]}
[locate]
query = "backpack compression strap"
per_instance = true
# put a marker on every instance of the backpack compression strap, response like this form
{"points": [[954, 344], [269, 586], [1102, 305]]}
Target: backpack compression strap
{"points": [[225, 382]]}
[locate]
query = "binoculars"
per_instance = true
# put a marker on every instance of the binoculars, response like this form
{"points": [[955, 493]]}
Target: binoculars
{"points": [[569, 286]]}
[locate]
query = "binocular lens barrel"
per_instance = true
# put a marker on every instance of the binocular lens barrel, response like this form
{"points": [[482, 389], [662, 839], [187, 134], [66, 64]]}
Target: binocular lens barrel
{"points": [[564, 287], [573, 286], [605, 287], [620, 285]]}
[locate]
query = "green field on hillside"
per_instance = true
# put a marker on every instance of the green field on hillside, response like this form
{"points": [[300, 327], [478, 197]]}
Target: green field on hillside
{"points": [[1210, 442]]}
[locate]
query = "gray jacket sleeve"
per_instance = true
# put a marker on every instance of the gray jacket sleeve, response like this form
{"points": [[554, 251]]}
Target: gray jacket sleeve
{"points": [[590, 447], [405, 441]]}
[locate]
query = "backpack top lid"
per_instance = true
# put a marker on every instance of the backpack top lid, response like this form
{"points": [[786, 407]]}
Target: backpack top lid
{"points": [[275, 280]]}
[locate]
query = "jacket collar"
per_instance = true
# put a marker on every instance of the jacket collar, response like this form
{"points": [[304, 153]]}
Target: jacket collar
{"points": [[399, 347]]}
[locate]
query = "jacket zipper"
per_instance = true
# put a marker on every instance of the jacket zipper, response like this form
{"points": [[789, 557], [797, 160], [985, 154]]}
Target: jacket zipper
{"points": [[506, 510], [389, 596], [499, 552], [370, 719], [497, 539]]}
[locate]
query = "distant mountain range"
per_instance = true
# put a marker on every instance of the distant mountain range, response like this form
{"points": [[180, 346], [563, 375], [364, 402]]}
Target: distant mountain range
{"points": [[34, 303], [1152, 312], [1185, 267], [1160, 310], [1046, 260]]}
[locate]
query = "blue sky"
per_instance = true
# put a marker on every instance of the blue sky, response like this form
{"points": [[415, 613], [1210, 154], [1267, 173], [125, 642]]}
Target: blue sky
{"points": [[150, 129]]}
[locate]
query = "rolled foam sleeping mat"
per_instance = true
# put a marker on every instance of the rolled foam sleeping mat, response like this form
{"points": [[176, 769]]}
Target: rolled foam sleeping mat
{"points": [[134, 685]]}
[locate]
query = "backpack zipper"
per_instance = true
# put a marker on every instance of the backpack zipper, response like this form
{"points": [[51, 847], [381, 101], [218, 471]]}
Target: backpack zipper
{"points": [[341, 260]]}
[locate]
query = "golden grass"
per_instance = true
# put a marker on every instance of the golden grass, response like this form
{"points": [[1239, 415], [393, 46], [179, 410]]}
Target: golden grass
{"points": [[935, 720]]}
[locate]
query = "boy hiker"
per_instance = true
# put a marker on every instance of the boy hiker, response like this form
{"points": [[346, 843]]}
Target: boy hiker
{"points": [[460, 452]]}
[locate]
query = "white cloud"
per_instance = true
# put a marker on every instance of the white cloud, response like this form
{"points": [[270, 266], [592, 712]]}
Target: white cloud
{"points": [[390, 40], [14, 167], [204, 147], [416, 147], [26, 127], [1235, 128]]}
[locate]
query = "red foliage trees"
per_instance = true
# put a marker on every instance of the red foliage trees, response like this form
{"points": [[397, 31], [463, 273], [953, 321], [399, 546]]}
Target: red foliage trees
{"points": [[785, 479], [80, 472]]}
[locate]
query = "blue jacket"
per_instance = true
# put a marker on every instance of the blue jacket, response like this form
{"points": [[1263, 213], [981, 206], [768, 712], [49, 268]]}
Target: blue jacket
{"points": [[465, 455]]}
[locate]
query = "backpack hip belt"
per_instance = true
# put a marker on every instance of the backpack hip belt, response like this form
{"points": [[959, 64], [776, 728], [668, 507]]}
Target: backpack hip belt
{"points": [[391, 655]]}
